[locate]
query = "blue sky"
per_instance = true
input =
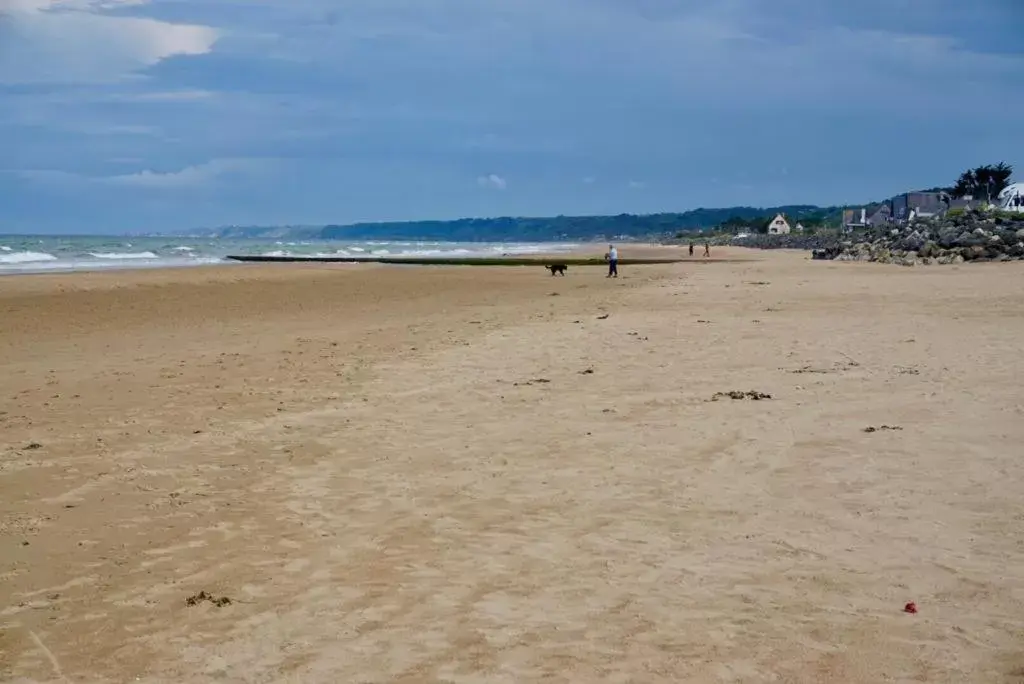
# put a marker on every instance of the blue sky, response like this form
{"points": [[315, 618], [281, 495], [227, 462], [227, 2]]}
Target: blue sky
{"points": [[128, 115]]}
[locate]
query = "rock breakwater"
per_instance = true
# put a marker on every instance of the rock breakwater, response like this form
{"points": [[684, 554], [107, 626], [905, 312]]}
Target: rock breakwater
{"points": [[952, 239], [790, 241]]}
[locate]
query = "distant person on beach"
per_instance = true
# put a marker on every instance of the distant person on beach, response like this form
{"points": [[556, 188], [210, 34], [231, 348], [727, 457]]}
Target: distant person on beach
{"points": [[613, 262], [707, 248], [691, 249]]}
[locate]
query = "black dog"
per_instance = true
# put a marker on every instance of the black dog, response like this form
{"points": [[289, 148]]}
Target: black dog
{"points": [[557, 268]]}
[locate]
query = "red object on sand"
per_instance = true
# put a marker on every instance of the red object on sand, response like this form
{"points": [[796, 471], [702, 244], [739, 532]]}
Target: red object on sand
{"points": [[910, 608]]}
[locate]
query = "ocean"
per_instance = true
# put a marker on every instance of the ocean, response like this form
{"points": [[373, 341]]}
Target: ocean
{"points": [[47, 253]]}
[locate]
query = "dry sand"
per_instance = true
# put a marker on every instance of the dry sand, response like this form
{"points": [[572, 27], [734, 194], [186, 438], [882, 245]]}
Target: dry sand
{"points": [[453, 475]]}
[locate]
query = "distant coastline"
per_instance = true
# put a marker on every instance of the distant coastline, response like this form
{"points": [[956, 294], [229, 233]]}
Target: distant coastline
{"points": [[620, 227]]}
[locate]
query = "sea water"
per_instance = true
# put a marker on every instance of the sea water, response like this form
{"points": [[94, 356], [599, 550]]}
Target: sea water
{"points": [[46, 254]]}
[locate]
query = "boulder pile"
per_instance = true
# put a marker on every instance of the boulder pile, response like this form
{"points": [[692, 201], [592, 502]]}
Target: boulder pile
{"points": [[789, 241], [951, 239]]}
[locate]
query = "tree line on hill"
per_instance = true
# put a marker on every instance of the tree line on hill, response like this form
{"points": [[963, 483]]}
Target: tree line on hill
{"points": [[983, 181], [578, 227]]}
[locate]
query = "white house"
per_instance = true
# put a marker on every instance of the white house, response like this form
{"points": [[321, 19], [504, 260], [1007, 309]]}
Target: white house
{"points": [[778, 226], [1012, 198]]}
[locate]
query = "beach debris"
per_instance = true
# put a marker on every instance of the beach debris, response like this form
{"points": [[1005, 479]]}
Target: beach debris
{"points": [[535, 381], [810, 369], [587, 371], [738, 395], [911, 608], [603, 316], [906, 370], [203, 596], [836, 368], [882, 428], [758, 282], [554, 294], [699, 320], [33, 446]]}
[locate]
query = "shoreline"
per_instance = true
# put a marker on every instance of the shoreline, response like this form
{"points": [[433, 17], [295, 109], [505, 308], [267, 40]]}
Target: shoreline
{"points": [[35, 260], [582, 254]]}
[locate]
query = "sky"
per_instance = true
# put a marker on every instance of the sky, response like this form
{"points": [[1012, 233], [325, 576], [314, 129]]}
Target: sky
{"points": [[136, 115]]}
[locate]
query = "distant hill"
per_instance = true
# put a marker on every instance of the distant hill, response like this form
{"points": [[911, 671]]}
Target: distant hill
{"points": [[530, 229]]}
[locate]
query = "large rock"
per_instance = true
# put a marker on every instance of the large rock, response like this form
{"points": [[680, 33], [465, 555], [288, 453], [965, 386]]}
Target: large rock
{"points": [[913, 241], [973, 253]]}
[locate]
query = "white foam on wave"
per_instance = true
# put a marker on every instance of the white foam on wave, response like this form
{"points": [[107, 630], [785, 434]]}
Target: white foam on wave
{"points": [[326, 255], [123, 255], [11, 257], [278, 253], [183, 248], [63, 265], [5, 248], [438, 252], [529, 249]]}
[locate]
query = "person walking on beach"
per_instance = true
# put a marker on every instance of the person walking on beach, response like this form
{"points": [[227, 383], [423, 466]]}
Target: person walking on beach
{"points": [[707, 248], [613, 262], [691, 248]]}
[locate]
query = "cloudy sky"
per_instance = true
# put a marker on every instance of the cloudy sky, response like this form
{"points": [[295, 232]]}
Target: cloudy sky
{"points": [[155, 114]]}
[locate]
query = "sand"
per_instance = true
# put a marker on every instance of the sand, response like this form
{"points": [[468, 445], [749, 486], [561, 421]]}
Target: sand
{"points": [[403, 474]]}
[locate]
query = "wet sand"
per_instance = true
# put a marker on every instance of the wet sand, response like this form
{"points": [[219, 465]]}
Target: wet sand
{"points": [[402, 474]]}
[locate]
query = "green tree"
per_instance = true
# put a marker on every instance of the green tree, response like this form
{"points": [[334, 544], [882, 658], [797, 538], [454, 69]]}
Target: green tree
{"points": [[985, 181]]}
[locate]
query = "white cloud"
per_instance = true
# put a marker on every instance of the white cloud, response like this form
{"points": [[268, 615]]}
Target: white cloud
{"points": [[164, 96], [492, 181], [189, 177], [51, 177], [197, 176], [77, 41]]}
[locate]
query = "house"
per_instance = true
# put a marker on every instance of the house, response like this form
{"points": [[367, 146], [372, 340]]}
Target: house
{"points": [[799, 228], [965, 203], [855, 218], [778, 225], [919, 203], [881, 216]]}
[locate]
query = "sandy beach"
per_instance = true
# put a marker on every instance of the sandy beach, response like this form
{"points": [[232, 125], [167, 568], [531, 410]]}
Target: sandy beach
{"points": [[487, 474]]}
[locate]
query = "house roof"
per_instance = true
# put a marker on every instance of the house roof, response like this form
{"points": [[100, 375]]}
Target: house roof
{"points": [[883, 210]]}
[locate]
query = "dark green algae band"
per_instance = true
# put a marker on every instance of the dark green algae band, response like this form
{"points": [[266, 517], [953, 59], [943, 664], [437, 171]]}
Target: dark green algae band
{"points": [[463, 261]]}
